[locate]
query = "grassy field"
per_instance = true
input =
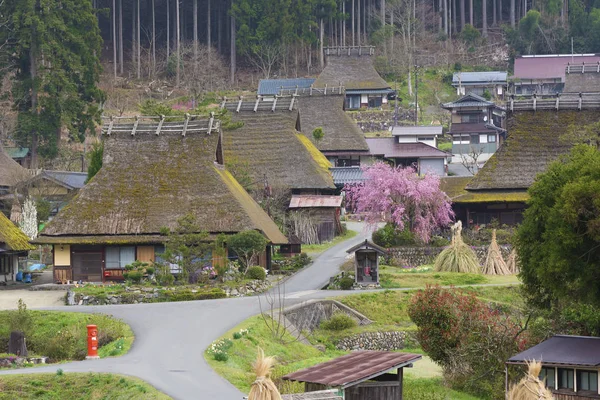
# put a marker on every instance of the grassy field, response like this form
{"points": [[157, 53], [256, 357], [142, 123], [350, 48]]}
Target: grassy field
{"points": [[312, 249], [76, 386]]}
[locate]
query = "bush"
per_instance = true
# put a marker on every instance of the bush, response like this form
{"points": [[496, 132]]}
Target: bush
{"points": [[188, 295], [346, 283], [389, 236], [163, 275], [237, 335], [338, 322], [256, 272], [221, 356], [21, 319], [133, 276]]}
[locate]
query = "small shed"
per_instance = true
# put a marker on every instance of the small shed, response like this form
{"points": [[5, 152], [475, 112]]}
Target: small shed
{"points": [[359, 375], [366, 262]]}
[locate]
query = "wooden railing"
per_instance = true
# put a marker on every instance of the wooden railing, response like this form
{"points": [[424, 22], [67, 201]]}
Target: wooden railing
{"points": [[185, 124], [564, 101], [313, 91], [583, 68], [349, 50]]}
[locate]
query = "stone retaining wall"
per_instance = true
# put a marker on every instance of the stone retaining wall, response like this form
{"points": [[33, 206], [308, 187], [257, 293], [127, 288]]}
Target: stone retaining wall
{"points": [[308, 316], [380, 341], [415, 256]]}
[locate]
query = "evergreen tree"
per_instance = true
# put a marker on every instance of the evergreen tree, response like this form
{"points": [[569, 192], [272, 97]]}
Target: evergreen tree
{"points": [[55, 47]]}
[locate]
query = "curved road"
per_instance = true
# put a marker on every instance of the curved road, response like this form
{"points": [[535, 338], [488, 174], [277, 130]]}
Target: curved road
{"points": [[171, 337]]}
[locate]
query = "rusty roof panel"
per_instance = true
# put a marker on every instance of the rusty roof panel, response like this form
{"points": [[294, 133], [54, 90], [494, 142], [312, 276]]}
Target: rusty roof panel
{"points": [[353, 368], [308, 201]]}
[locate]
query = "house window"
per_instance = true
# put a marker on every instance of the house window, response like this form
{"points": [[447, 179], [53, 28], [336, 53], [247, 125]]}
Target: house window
{"points": [[566, 379], [118, 257], [461, 139], [374, 101], [474, 139], [470, 118], [159, 250], [587, 380], [547, 376], [491, 138]]}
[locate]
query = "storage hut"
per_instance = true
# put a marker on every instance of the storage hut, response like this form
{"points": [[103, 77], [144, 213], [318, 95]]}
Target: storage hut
{"points": [[366, 262], [359, 375]]}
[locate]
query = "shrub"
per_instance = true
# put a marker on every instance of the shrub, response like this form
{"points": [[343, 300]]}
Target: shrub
{"points": [[389, 236], [221, 356], [438, 241], [256, 272], [133, 276], [237, 335], [163, 276], [338, 322], [346, 283], [21, 319]]}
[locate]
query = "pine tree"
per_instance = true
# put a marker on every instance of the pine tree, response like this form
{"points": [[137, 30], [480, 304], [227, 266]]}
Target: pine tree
{"points": [[55, 47]]}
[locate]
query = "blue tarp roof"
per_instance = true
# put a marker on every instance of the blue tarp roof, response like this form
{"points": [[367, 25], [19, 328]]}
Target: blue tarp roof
{"points": [[271, 87]]}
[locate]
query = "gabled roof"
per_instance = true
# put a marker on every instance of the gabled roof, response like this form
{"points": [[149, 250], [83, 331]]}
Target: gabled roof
{"points": [[353, 368], [273, 86], [417, 130], [353, 72], [270, 146], [340, 132], [17, 152], [11, 237], [472, 78], [549, 66], [390, 148], [344, 175], [468, 100], [148, 181], [366, 245], [68, 179], [563, 350], [11, 172], [535, 139], [315, 201]]}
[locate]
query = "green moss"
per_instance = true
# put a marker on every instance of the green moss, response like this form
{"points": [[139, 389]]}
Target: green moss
{"points": [[13, 236]]}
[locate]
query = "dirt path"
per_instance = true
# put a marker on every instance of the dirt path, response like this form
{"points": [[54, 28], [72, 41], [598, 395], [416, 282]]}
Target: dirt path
{"points": [[33, 299]]}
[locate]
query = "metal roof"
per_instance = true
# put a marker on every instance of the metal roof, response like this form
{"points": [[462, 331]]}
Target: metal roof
{"points": [[17, 152], [390, 148], [271, 87], [468, 100], [563, 349], [366, 245], [309, 201], [466, 78], [75, 180], [417, 130], [353, 368], [549, 66], [344, 175], [368, 91]]}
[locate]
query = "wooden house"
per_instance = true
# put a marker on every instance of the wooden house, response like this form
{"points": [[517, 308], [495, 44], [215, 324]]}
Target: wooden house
{"points": [[494, 83], [323, 210], [352, 67], [57, 187], [155, 171], [570, 366], [499, 190], [366, 262], [359, 375], [11, 174], [477, 126], [13, 244]]}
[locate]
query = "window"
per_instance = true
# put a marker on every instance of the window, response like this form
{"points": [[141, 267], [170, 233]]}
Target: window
{"points": [[159, 250], [587, 380], [547, 376], [566, 379], [118, 257], [374, 101], [475, 139], [470, 118], [461, 139], [491, 138]]}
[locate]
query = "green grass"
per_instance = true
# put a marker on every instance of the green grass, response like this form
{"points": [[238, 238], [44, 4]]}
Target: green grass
{"points": [[430, 389], [445, 146], [74, 386], [311, 249]]}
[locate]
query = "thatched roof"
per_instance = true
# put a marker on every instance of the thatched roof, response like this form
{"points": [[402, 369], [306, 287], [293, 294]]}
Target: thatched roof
{"points": [[11, 237], [270, 146], [327, 112], [535, 139], [454, 186], [353, 72], [11, 172], [148, 181]]}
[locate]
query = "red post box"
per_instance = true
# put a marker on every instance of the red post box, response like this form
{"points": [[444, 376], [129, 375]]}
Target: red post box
{"points": [[92, 340]]}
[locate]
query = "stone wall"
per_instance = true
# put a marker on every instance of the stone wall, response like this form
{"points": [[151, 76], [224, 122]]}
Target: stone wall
{"points": [[380, 341], [415, 256], [308, 316]]}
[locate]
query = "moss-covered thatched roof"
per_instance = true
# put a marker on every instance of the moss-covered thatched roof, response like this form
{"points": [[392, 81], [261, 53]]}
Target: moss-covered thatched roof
{"points": [[492, 196], [11, 237], [11, 172], [454, 186], [535, 139], [340, 132], [149, 181], [269, 145], [353, 72]]}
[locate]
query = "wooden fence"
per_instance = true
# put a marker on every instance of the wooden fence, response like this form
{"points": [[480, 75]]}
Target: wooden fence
{"points": [[583, 68], [564, 101]]}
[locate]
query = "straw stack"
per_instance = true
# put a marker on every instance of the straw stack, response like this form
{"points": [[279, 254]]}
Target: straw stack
{"points": [[494, 263], [263, 387], [530, 387]]}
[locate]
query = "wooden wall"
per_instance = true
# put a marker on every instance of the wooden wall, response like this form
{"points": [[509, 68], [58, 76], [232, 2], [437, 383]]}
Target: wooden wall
{"points": [[374, 391], [574, 396]]}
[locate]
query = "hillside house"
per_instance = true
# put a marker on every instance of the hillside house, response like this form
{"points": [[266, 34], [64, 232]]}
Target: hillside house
{"points": [[494, 83], [11, 174], [570, 365], [269, 88], [477, 127], [155, 171], [423, 157], [57, 187], [13, 244], [21, 155], [545, 74], [352, 68]]}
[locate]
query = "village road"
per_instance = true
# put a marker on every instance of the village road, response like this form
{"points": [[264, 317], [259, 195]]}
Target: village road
{"points": [[171, 337]]}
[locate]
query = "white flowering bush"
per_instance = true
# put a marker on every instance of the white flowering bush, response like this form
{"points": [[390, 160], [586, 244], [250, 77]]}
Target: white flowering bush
{"points": [[219, 349]]}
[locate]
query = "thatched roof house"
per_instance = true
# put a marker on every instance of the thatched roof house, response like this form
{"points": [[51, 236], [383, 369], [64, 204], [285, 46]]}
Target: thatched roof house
{"points": [[274, 152], [13, 243], [153, 173], [11, 172], [535, 139]]}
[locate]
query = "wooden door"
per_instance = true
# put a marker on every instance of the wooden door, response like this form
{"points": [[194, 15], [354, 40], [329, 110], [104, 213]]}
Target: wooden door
{"points": [[145, 253], [87, 266]]}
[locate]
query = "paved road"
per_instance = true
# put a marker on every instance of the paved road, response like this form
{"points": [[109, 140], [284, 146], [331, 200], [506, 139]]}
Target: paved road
{"points": [[171, 337]]}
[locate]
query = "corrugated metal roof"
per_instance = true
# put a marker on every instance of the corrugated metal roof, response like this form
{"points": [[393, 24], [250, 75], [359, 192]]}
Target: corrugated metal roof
{"points": [[344, 175], [76, 180], [366, 245], [309, 201], [417, 130], [563, 349], [271, 87], [353, 368], [369, 91], [17, 152], [550, 66], [466, 78], [390, 148], [468, 100]]}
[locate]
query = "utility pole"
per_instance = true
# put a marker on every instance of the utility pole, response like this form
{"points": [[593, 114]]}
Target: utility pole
{"points": [[416, 95], [396, 105]]}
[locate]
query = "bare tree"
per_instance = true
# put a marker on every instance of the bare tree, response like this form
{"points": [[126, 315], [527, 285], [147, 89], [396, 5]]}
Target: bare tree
{"points": [[272, 312], [266, 56], [470, 160]]}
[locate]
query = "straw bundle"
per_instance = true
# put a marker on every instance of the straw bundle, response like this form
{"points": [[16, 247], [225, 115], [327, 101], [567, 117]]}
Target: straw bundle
{"points": [[494, 263], [263, 387], [458, 257], [513, 262], [530, 387]]}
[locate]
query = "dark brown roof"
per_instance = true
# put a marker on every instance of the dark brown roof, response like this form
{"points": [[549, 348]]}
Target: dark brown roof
{"points": [[390, 148], [341, 132], [563, 349], [148, 181], [353, 368], [352, 72], [535, 139], [11, 172], [270, 146], [366, 245]]}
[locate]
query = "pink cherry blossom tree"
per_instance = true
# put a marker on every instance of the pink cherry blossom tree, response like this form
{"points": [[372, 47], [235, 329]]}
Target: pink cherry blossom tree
{"points": [[400, 196]]}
